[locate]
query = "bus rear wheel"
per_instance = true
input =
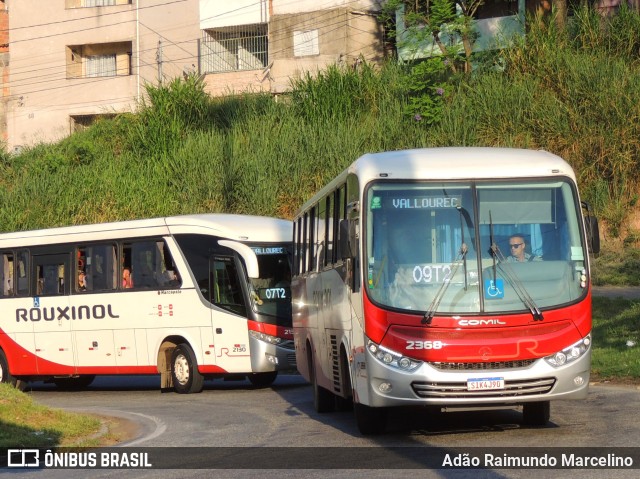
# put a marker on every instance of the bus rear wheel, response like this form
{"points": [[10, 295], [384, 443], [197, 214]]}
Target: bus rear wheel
{"points": [[323, 399], [536, 413], [184, 370], [262, 380]]}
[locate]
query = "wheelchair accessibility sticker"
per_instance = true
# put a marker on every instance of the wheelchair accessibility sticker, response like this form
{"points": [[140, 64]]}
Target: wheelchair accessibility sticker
{"points": [[494, 289]]}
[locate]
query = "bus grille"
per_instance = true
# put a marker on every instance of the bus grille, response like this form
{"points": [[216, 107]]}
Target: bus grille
{"points": [[458, 390], [483, 366]]}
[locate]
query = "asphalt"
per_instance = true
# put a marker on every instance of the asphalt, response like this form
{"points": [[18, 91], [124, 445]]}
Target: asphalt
{"points": [[626, 292]]}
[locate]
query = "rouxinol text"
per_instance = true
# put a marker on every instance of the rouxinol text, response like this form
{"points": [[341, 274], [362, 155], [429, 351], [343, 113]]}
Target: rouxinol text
{"points": [[98, 311]]}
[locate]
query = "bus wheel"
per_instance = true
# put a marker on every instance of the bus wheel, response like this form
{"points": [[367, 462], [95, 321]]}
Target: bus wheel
{"points": [[370, 420], [536, 413], [344, 403], [6, 377], [184, 370], [323, 400], [262, 380], [74, 383]]}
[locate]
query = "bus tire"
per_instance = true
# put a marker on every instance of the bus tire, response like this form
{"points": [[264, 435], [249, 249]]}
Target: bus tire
{"points": [[344, 403], [6, 377], [536, 413], [323, 400], [184, 370], [262, 380], [370, 420]]}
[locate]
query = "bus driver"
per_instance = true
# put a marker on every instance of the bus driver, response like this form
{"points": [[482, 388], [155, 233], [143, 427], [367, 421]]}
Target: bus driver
{"points": [[517, 247]]}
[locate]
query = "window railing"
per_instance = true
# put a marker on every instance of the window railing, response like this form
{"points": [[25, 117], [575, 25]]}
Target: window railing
{"points": [[237, 48]]}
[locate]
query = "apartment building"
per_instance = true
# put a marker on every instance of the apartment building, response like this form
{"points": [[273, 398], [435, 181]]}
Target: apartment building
{"points": [[73, 60], [67, 62], [259, 45]]}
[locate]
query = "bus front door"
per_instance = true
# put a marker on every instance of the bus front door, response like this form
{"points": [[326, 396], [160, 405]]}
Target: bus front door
{"points": [[229, 315]]}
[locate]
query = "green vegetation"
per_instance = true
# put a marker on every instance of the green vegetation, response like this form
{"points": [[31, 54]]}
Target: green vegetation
{"points": [[25, 424], [616, 269], [616, 340]]}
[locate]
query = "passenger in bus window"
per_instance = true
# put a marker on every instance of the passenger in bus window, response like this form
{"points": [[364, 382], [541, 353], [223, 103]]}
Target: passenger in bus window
{"points": [[82, 281], [517, 248], [127, 280], [170, 279]]}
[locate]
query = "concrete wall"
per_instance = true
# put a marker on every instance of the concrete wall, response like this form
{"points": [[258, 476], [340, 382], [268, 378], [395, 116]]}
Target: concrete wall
{"points": [[285, 7], [216, 14], [345, 34], [343, 37], [4, 71]]}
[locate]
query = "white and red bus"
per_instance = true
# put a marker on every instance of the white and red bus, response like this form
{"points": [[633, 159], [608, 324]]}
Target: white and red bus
{"points": [[188, 297], [405, 291]]}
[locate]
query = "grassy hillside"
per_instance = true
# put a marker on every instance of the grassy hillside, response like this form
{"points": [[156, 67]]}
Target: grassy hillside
{"points": [[575, 93]]}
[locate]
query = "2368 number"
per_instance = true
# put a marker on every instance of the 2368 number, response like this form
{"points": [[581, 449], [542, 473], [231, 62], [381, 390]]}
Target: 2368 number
{"points": [[425, 345]]}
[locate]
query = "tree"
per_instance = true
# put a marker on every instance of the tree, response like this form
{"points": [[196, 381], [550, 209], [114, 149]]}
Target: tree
{"points": [[561, 9], [444, 21]]}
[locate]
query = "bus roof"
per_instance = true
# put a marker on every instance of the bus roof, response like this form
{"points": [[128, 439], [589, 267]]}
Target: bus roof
{"points": [[245, 228], [451, 163]]}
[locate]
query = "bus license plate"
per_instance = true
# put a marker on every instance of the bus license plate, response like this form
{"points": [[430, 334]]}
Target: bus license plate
{"points": [[485, 384]]}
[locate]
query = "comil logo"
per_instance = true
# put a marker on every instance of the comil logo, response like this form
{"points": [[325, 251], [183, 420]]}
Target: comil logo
{"points": [[23, 458]]}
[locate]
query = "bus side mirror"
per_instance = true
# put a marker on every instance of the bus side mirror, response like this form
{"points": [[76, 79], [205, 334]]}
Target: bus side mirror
{"points": [[592, 229], [247, 254], [593, 234]]}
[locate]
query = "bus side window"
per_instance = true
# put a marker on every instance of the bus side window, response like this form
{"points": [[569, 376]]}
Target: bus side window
{"points": [[225, 282], [22, 267], [150, 265], [50, 279], [98, 263], [7, 274], [144, 264], [169, 277]]}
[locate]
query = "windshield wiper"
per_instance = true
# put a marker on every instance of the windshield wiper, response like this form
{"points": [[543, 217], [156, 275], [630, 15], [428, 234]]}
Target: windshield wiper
{"points": [[453, 267], [511, 276], [464, 213]]}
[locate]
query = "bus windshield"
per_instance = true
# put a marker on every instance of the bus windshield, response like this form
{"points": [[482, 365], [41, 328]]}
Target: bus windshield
{"points": [[271, 292], [474, 247]]}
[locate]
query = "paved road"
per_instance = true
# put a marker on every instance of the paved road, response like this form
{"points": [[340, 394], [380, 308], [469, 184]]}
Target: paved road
{"points": [[235, 415], [626, 292]]}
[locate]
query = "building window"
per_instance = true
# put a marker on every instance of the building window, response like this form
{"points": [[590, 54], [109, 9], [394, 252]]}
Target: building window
{"points": [[94, 3], [99, 60], [305, 43], [101, 65], [234, 49]]}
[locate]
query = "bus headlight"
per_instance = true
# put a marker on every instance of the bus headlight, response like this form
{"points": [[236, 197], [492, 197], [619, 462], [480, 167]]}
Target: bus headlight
{"points": [[391, 358], [571, 353], [265, 337]]}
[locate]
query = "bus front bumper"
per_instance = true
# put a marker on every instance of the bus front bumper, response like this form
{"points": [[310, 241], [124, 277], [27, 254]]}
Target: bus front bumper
{"points": [[427, 385], [267, 357]]}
